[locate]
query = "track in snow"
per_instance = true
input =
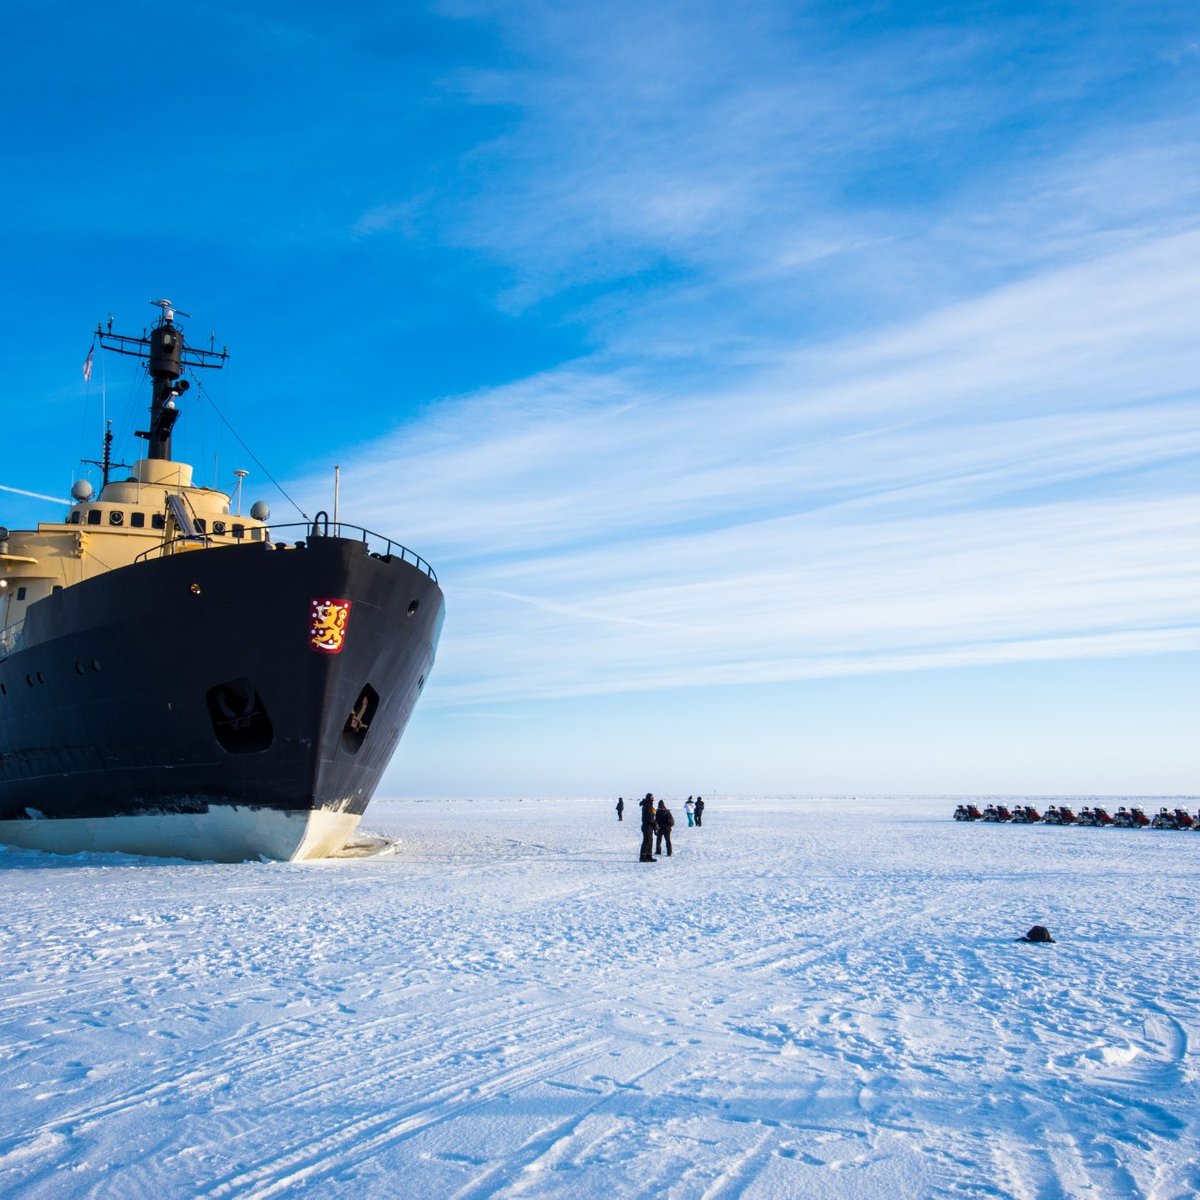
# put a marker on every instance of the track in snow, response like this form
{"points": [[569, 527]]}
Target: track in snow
{"points": [[810, 998]]}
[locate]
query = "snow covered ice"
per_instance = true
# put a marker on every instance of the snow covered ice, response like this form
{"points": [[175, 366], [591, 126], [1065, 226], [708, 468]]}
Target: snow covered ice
{"points": [[810, 999]]}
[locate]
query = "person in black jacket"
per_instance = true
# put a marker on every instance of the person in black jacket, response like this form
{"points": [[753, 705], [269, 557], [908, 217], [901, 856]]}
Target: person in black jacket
{"points": [[620, 808], [699, 811], [647, 807], [664, 821]]}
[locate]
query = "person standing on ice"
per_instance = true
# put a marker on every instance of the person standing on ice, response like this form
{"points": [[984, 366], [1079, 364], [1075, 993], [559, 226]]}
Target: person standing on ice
{"points": [[664, 822], [699, 811], [620, 808], [690, 809], [647, 807]]}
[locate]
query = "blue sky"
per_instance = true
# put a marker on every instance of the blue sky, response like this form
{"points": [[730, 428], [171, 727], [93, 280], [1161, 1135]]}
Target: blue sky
{"points": [[791, 397]]}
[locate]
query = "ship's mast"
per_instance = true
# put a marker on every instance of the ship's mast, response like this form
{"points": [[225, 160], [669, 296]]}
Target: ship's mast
{"points": [[168, 354], [105, 462]]}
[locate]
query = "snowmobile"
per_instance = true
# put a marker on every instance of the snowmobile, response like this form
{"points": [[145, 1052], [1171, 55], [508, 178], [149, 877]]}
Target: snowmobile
{"points": [[1164, 820], [1094, 816], [1026, 814], [1059, 815], [1129, 819], [1184, 819], [996, 812], [967, 812]]}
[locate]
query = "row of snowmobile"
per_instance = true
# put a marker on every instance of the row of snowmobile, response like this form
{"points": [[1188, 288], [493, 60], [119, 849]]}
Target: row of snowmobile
{"points": [[1060, 814]]}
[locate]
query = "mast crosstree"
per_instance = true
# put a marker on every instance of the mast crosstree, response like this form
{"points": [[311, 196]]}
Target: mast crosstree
{"points": [[168, 354]]}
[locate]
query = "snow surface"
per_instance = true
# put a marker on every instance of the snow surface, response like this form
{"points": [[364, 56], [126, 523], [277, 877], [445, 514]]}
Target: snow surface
{"points": [[812, 998]]}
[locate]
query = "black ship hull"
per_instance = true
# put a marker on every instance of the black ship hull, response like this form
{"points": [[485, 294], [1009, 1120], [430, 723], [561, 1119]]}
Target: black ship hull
{"points": [[218, 704]]}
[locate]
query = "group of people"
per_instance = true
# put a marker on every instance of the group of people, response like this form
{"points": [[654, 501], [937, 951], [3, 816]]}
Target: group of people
{"points": [[658, 821]]}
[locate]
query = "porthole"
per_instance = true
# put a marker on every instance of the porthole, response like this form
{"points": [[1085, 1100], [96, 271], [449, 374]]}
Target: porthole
{"points": [[40, 677], [79, 667], [3, 689], [413, 605], [194, 589], [29, 680], [218, 527], [116, 516], [95, 664]]}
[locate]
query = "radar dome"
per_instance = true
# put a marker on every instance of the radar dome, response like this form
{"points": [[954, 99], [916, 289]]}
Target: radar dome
{"points": [[261, 510], [81, 489]]}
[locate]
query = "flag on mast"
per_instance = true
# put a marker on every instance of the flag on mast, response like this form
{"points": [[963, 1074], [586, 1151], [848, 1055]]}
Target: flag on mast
{"points": [[87, 364]]}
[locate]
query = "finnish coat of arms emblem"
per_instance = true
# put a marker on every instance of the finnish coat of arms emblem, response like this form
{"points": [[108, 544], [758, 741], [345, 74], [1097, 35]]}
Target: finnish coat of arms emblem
{"points": [[327, 625]]}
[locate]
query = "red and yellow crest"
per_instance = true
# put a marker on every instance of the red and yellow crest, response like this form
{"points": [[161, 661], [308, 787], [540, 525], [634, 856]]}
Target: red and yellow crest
{"points": [[327, 627]]}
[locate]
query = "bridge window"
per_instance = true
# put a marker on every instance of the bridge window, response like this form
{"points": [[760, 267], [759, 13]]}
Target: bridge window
{"points": [[137, 520], [93, 516], [158, 520]]}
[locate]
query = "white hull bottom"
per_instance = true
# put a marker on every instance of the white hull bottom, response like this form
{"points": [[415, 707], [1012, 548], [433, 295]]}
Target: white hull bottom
{"points": [[223, 834]]}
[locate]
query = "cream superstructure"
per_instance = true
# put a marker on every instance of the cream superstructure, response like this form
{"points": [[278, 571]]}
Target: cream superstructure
{"points": [[129, 519]]}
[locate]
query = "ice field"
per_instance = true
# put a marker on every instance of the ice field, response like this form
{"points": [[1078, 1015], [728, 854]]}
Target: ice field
{"points": [[812, 998]]}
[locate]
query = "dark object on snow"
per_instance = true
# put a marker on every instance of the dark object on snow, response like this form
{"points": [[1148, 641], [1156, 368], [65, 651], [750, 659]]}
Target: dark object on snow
{"points": [[1039, 933]]}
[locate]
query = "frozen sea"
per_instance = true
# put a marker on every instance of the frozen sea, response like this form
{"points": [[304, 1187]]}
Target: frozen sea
{"points": [[811, 998]]}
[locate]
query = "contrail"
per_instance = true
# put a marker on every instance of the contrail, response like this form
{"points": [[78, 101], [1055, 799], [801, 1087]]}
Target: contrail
{"points": [[35, 495]]}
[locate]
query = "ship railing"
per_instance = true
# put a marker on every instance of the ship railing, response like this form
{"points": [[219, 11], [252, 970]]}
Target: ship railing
{"points": [[378, 545], [180, 541], [10, 638]]}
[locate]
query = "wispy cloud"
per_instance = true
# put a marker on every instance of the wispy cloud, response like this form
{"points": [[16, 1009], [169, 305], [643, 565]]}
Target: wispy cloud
{"points": [[1005, 480], [894, 365]]}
